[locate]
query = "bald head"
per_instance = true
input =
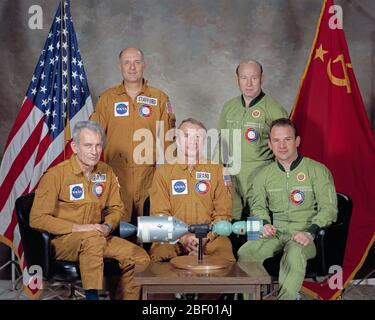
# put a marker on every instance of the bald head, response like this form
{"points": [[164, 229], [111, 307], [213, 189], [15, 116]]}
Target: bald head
{"points": [[131, 51], [249, 79], [132, 65], [247, 62]]}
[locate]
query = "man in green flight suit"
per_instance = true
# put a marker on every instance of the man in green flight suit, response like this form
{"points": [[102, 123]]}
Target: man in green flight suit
{"points": [[247, 118], [300, 194]]}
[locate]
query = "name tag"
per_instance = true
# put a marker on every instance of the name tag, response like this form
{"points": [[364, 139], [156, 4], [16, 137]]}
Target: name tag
{"points": [[203, 175], [179, 187], [99, 177], [121, 109], [147, 100], [76, 192]]}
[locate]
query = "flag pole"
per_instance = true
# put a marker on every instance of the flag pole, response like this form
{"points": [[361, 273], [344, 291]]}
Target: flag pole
{"points": [[63, 109], [67, 105], [309, 59]]}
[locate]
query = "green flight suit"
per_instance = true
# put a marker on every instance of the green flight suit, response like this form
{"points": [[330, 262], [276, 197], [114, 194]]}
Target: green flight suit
{"points": [[252, 123], [303, 199]]}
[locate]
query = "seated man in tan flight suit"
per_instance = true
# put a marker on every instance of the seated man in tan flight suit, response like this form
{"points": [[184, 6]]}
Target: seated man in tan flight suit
{"points": [[194, 191], [78, 202]]}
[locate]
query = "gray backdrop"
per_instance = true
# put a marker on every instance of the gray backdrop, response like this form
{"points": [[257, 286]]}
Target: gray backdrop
{"points": [[191, 47]]}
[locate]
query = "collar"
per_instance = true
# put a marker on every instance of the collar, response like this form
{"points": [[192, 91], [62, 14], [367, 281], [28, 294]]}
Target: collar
{"points": [[185, 166], [76, 168], [294, 164], [120, 89], [254, 101]]}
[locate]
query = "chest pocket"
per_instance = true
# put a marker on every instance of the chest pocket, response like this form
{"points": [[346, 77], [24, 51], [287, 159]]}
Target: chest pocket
{"points": [[275, 199], [232, 124]]}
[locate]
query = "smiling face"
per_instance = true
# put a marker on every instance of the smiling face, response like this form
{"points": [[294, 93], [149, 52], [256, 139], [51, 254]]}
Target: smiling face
{"points": [[284, 143], [190, 140], [89, 148], [132, 65]]}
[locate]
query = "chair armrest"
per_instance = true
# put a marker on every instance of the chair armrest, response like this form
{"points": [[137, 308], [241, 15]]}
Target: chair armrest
{"points": [[47, 257], [330, 244]]}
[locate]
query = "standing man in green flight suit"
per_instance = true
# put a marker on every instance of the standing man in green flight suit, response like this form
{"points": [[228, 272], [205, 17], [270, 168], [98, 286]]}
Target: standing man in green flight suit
{"points": [[248, 118], [300, 194]]}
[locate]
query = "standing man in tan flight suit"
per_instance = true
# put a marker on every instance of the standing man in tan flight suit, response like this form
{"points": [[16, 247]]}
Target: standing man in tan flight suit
{"points": [[194, 191], [121, 111], [78, 202]]}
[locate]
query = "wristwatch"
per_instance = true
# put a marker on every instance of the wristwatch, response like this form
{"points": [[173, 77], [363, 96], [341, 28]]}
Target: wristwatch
{"points": [[312, 235], [109, 226]]}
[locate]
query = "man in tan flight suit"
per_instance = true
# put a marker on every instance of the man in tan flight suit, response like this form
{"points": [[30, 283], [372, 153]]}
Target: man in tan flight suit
{"points": [[121, 111], [194, 191], [78, 202]]}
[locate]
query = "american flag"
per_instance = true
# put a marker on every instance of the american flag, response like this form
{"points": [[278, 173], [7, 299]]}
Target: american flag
{"points": [[58, 97]]}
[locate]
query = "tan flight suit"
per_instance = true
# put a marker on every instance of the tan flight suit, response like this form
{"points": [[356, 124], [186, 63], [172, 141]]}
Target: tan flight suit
{"points": [[65, 197], [199, 196], [120, 117]]}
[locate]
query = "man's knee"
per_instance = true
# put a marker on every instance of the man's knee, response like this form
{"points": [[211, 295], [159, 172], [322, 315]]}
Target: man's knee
{"points": [[162, 252], [95, 243], [141, 256], [248, 253], [294, 257]]}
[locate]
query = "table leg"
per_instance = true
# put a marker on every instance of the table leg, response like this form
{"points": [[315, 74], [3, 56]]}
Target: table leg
{"points": [[144, 293], [257, 292]]}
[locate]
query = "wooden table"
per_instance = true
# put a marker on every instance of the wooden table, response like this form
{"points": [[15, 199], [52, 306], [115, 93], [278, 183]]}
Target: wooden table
{"points": [[162, 277]]}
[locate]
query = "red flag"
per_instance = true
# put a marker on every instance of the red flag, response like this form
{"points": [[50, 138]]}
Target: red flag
{"points": [[58, 97], [334, 129]]}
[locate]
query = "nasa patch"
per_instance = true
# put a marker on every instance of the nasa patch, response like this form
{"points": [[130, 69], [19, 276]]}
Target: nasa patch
{"points": [[251, 135], [76, 192], [98, 189], [202, 187], [145, 111], [179, 187], [121, 109], [297, 197]]}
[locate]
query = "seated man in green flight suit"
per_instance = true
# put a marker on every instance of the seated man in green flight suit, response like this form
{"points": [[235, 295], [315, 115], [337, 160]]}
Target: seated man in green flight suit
{"points": [[300, 194]]}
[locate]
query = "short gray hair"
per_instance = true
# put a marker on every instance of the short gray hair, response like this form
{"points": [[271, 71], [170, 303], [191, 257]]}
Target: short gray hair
{"points": [[192, 121], [250, 61], [90, 125], [140, 51]]}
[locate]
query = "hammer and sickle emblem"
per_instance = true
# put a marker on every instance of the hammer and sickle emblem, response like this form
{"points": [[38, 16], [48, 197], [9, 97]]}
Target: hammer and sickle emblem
{"points": [[339, 81]]}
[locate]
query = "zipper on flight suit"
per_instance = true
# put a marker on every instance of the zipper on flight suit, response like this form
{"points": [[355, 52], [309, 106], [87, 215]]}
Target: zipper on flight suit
{"points": [[287, 192]]}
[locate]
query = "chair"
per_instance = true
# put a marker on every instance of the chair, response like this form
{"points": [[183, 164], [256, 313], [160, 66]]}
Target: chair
{"points": [[330, 244], [146, 213], [38, 251]]}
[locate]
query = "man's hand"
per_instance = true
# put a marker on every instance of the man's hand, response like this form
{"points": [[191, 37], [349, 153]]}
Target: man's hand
{"points": [[303, 238], [102, 228], [269, 231], [91, 227], [191, 243]]}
